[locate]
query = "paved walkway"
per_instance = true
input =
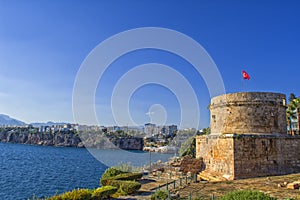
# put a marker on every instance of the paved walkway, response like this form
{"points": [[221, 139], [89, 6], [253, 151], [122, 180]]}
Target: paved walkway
{"points": [[149, 186]]}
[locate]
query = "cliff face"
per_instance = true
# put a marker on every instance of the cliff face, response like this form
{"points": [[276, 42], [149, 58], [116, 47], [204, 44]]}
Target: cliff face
{"points": [[46, 139], [115, 143], [71, 140]]}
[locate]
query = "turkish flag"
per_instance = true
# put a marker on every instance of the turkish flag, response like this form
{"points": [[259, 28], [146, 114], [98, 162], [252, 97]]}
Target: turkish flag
{"points": [[245, 75]]}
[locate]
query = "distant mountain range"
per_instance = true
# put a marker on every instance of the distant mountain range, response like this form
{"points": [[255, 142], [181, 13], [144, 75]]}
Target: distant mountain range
{"points": [[7, 120]]}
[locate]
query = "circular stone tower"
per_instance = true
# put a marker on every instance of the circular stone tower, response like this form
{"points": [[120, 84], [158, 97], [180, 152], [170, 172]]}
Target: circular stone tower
{"points": [[248, 113]]}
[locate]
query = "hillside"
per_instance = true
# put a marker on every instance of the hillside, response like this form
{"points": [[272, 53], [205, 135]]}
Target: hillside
{"points": [[7, 120]]}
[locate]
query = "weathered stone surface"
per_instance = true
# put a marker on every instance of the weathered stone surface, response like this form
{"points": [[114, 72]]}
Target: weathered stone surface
{"points": [[72, 140], [218, 155], [249, 138], [248, 112], [189, 164], [246, 156], [293, 186]]}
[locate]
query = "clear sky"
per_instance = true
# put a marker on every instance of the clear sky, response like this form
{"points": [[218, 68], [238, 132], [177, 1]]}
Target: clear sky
{"points": [[44, 42]]}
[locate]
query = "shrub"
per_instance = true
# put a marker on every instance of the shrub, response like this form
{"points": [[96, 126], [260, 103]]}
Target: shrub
{"points": [[159, 195], [104, 192], [80, 194], [130, 187], [125, 182], [246, 194], [111, 172], [126, 187], [127, 176]]}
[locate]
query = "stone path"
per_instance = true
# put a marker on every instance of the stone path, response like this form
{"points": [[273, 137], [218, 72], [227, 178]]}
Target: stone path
{"points": [[268, 185], [149, 186]]}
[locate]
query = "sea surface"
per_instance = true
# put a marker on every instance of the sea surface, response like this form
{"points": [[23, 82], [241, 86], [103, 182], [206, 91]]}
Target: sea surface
{"points": [[27, 170]]}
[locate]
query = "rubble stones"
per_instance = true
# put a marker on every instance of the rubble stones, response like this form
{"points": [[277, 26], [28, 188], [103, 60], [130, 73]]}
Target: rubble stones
{"points": [[189, 164], [294, 185]]}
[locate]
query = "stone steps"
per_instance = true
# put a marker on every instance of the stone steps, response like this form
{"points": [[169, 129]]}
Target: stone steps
{"points": [[209, 177]]}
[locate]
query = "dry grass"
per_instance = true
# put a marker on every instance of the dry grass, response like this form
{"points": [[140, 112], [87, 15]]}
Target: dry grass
{"points": [[268, 185]]}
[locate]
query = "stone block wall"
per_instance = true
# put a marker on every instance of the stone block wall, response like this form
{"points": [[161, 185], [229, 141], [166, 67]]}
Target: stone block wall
{"points": [[248, 137], [266, 155], [218, 155], [233, 156], [189, 164], [248, 112]]}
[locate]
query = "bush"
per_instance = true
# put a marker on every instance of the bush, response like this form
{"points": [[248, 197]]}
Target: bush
{"points": [[86, 194], [127, 176], [126, 187], [105, 181], [111, 172], [125, 182], [159, 195], [104, 192], [80, 194], [245, 195], [130, 187]]}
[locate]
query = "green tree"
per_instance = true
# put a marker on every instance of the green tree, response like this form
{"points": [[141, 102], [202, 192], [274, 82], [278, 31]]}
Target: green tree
{"points": [[289, 116], [296, 104], [293, 112], [292, 97], [206, 131], [188, 147]]}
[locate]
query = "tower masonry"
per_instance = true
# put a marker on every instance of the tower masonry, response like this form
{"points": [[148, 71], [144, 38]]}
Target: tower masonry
{"points": [[248, 138], [248, 112]]}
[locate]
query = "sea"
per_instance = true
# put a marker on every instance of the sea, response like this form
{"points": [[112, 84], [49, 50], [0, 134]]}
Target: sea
{"points": [[28, 171]]}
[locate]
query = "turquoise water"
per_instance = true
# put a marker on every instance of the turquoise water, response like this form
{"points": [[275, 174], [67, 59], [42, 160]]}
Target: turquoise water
{"points": [[27, 170]]}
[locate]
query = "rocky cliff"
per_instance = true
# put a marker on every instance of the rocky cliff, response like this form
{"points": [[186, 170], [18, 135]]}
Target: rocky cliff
{"points": [[71, 140], [47, 139]]}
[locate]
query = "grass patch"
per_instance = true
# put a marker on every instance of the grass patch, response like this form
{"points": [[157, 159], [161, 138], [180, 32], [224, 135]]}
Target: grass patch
{"points": [[246, 195]]}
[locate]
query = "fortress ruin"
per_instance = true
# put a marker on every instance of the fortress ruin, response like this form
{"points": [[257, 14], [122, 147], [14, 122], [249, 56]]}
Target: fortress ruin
{"points": [[248, 138]]}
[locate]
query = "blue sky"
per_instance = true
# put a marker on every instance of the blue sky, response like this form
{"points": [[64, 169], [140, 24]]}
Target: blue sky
{"points": [[43, 43]]}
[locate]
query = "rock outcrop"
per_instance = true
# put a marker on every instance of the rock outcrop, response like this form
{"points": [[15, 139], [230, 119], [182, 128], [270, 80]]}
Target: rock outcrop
{"points": [[193, 165], [46, 139], [70, 139]]}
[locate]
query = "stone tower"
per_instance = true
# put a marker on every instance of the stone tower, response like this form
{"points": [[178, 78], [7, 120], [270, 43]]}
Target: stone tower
{"points": [[248, 112], [248, 138]]}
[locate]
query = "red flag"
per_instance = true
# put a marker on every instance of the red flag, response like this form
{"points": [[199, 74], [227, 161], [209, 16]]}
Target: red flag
{"points": [[245, 75]]}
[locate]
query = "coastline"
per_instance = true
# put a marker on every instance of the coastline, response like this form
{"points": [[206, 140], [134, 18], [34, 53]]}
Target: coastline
{"points": [[70, 139]]}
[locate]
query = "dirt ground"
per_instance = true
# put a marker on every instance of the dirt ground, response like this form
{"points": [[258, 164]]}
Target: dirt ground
{"points": [[206, 190], [268, 185]]}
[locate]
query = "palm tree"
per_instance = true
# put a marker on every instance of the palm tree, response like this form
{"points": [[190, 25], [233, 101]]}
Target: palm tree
{"points": [[290, 114], [292, 97], [293, 106], [297, 105]]}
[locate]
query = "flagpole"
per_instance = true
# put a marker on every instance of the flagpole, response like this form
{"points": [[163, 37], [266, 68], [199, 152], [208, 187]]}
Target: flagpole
{"points": [[245, 76], [242, 84]]}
